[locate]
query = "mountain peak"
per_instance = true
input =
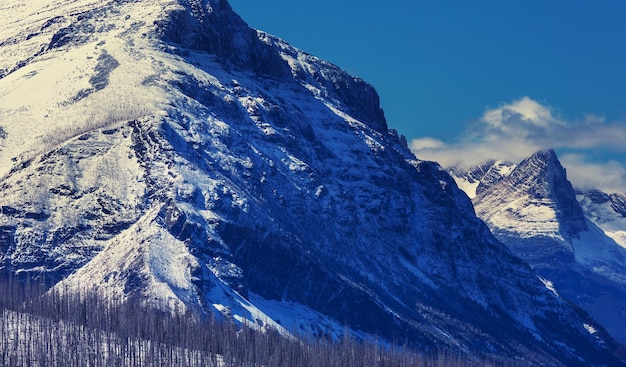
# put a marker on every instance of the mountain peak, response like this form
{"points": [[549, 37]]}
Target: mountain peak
{"points": [[546, 154], [570, 238], [212, 26], [546, 166], [539, 181], [183, 158], [542, 162]]}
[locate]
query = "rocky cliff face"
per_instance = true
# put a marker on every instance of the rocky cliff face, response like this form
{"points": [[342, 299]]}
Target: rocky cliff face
{"points": [[570, 238], [166, 152]]}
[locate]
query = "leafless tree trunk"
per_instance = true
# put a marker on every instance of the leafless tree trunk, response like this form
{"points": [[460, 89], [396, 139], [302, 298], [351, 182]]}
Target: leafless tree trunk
{"points": [[65, 329]]}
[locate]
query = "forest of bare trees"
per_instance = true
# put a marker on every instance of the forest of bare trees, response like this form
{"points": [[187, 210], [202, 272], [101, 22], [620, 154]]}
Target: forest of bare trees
{"points": [[44, 329]]}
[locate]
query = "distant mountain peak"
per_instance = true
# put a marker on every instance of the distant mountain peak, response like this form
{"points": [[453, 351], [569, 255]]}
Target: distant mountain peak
{"points": [[618, 203], [479, 178], [542, 162], [551, 179], [546, 154], [539, 181], [536, 212], [596, 196]]}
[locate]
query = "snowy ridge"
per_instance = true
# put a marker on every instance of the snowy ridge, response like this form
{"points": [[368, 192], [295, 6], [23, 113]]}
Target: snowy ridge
{"points": [[481, 177], [571, 238], [190, 162], [606, 211]]}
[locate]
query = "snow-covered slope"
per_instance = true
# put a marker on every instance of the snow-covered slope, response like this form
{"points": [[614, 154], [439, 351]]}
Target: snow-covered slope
{"points": [[607, 211], [535, 211], [164, 151], [481, 177]]}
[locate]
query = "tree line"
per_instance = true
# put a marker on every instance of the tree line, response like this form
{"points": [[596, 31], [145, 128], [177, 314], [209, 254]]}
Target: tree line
{"points": [[43, 328]]}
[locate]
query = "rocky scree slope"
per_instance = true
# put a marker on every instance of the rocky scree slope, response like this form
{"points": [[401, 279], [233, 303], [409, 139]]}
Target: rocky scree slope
{"points": [[163, 151]]}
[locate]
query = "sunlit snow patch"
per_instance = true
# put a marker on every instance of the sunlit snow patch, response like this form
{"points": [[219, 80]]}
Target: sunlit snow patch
{"points": [[549, 285], [590, 329]]}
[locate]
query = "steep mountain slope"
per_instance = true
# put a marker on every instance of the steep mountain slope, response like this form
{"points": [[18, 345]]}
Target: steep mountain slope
{"points": [[534, 210], [164, 151]]}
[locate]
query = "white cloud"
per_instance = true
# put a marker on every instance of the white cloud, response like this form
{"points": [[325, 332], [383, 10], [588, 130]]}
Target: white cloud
{"points": [[515, 130], [466, 155], [609, 176], [426, 143], [524, 111]]}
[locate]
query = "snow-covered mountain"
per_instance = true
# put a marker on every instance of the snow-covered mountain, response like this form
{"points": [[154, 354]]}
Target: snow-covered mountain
{"points": [[607, 211], [574, 240], [164, 151]]}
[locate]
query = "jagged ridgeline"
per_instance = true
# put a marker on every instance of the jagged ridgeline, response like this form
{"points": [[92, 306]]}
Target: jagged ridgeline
{"points": [[163, 152]]}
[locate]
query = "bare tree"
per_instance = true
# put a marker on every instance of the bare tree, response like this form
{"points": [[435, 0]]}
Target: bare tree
{"points": [[39, 328]]}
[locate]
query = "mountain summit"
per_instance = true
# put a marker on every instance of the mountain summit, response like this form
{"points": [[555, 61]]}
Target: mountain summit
{"points": [[536, 212], [534, 199], [163, 151]]}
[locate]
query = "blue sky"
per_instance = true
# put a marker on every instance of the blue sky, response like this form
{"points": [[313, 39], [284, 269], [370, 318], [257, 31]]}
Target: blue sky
{"points": [[553, 71]]}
